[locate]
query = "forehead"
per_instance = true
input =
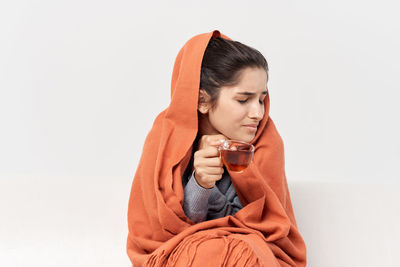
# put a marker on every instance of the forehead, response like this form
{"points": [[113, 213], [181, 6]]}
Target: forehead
{"points": [[251, 80]]}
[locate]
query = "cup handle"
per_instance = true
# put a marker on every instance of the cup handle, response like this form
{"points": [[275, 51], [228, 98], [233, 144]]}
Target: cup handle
{"points": [[220, 147]]}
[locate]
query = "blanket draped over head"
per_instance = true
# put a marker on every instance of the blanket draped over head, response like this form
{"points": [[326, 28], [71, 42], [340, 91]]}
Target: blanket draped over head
{"points": [[263, 233]]}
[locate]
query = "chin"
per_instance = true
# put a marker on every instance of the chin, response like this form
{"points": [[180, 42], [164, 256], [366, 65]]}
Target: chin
{"points": [[246, 139], [250, 138]]}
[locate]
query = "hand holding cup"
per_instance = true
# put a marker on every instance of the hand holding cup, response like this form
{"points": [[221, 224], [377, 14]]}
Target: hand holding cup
{"points": [[207, 162]]}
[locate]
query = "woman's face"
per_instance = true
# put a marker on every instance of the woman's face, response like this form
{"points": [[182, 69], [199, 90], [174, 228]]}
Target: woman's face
{"points": [[238, 107]]}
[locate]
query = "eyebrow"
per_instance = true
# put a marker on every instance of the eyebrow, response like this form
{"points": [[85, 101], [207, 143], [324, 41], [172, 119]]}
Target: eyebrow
{"points": [[251, 93]]}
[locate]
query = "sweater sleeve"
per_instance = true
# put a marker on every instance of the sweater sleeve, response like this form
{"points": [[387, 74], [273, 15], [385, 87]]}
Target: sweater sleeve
{"points": [[195, 204], [223, 200]]}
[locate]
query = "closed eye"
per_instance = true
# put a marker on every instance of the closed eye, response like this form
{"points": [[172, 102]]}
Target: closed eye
{"points": [[244, 101]]}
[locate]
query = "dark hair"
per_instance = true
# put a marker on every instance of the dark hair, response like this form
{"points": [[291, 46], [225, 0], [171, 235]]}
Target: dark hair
{"points": [[223, 62]]}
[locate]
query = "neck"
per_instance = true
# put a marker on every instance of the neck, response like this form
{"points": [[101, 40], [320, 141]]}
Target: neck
{"points": [[205, 127]]}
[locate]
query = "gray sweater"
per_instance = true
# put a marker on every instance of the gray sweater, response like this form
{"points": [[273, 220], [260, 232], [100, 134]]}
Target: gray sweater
{"points": [[202, 204]]}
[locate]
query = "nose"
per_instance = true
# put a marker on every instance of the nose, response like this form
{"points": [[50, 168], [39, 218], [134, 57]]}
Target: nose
{"points": [[256, 111]]}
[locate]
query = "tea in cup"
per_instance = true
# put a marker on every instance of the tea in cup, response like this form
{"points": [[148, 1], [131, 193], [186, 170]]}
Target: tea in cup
{"points": [[236, 155]]}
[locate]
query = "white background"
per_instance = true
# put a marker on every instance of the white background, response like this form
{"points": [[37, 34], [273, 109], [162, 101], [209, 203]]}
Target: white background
{"points": [[81, 83]]}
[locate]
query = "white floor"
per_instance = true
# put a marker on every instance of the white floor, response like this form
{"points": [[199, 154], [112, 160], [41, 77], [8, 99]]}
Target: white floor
{"points": [[63, 221], [354, 225], [81, 221]]}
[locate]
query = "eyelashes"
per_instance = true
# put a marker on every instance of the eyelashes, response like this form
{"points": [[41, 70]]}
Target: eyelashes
{"points": [[244, 101]]}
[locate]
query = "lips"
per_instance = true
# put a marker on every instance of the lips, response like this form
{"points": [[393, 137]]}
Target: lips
{"points": [[251, 127]]}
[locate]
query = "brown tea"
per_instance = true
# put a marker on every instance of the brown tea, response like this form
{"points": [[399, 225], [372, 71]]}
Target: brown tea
{"points": [[236, 160]]}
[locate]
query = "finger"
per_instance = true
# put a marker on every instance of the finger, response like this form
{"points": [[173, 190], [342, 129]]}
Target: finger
{"points": [[213, 162], [212, 140], [213, 178], [218, 139], [216, 177], [208, 162], [209, 152], [214, 171]]}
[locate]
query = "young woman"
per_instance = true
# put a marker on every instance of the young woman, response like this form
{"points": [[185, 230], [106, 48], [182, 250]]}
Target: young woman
{"points": [[185, 207]]}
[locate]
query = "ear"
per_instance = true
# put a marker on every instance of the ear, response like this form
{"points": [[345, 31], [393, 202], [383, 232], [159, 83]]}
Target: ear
{"points": [[204, 99]]}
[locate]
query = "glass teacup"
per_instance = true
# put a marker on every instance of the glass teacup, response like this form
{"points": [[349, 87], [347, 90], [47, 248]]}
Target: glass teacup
{"points": [[236, 155]]}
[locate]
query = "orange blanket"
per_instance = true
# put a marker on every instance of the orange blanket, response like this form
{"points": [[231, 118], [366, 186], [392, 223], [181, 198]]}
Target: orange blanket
{"points": [[263, 233]]}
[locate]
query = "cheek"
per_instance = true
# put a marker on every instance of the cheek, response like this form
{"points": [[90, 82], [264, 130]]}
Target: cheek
{"points": [[235, 114]]}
